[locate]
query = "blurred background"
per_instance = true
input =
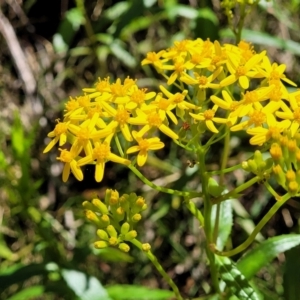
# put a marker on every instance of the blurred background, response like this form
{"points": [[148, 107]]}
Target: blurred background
{"points": [[50, 50]]}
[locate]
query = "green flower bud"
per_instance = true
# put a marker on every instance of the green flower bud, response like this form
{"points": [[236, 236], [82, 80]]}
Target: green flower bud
{"points": [[125, 228], [101, 206], [279, 175], [92, 217], [119, 214], [107, 196], [136, 217], [102, 234], [111, 231], [140, 201], [101, 244], [132, 234], [146, 247], [293, 187], [252, 165], [114, 198], [124, 247], [88, 205], [145, 206], [105, 220], [245, 166], [113, 241]]}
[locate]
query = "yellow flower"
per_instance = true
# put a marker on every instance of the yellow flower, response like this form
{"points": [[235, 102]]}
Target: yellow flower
{"points": [[241, 72], [179, 66], [101, 153], [144, 146], [59, 134], [154, 59], [68, 157], [292, 115], [209, 118], [152, 119]]}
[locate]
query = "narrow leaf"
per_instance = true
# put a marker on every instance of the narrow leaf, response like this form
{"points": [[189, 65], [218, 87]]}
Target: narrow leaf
{"points": [[263, 254], [122, 292], [29, 293]]}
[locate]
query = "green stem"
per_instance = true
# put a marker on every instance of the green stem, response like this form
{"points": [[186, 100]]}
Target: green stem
{"points": [[163, 189], [159, 268], [224, 161], [256, 230], [207, 217], [236, 191], [195, 211]]}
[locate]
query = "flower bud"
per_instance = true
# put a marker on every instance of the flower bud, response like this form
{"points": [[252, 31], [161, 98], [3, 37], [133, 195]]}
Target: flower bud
{"points": [[124, 247], [113, 241], [293, 187], [135, 218], [87, 205], [146, 247], [112, 231], [105, 220], [101, 244], [101, 206], [125, 228], [140, 201], [102, 234], [114, 198], [132, 234]]}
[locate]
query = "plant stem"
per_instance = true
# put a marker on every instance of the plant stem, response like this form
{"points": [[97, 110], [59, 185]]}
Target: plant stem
{"points": [[160, 188], [256, 230], [159, 268]]}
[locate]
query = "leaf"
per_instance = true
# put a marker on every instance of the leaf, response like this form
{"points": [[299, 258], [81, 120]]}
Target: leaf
{"points": [[235, 280], [17, 136], [225, 222], [20, 273], [135, 292], [29, 293], [123, 55], [5, 252], [291, 276], [261, 256], [84, 286]]}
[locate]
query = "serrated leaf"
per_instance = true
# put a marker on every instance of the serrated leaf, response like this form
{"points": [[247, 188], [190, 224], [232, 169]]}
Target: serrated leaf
{"points": [[134, 292], [84, 286], [235, 280], [261, 255], [29, 293], [225, 222]]}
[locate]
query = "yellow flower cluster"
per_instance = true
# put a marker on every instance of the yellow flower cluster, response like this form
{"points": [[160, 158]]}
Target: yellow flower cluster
{"points": [[115, 218], [218, 87]]}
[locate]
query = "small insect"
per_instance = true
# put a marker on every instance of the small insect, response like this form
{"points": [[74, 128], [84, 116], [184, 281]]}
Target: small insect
{"points": [[186, 126], [191, 163]]}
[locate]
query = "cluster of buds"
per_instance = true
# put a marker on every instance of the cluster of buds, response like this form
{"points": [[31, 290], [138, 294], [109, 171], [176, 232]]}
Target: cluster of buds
{"points": [[259, 166], [285, 153], [115, 218]]}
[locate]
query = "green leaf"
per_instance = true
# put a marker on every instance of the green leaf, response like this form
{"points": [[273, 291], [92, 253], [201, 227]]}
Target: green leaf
{"points": [[235, 280], [261, 256], [17, 136], [5, 252], [29, 293], [84, 286], [225, 222], [126, 292], [291, 276], [123, 55]]}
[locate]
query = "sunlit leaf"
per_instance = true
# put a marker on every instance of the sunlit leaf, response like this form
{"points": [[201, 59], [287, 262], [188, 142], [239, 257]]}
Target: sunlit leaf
{"points": [[84, 286], [264, 253], [29, 293]]}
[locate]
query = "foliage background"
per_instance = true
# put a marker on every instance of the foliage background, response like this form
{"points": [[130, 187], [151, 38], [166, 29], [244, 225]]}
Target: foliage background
{"points": [[67, 45]]}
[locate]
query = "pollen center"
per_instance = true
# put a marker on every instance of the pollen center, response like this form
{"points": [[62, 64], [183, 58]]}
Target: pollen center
{"points": [[209, 114], [60, 128], [154, 119], [101, 151], [122, 116]]}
